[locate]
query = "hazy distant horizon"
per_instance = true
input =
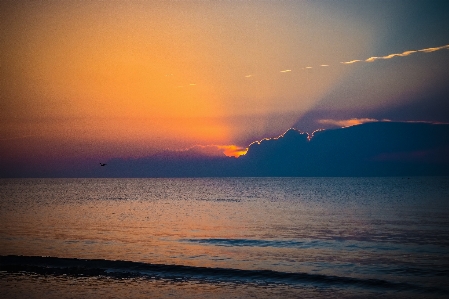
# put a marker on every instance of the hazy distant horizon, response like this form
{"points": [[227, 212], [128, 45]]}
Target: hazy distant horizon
{"points": [[371, 149]]}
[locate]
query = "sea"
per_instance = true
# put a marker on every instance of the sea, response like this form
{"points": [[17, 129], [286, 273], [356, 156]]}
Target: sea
{"points": [[377, 237]]}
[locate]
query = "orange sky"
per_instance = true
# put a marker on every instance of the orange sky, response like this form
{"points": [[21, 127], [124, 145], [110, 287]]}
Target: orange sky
{"points": [[130, 78]]}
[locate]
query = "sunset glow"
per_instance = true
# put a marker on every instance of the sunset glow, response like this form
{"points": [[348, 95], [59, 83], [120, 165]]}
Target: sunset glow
{"points": [[234, 151], [346, 122], [102, 80]]}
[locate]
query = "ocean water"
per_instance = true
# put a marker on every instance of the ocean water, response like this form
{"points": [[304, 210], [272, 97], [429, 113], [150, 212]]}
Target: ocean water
{"points": [[225, 238]]}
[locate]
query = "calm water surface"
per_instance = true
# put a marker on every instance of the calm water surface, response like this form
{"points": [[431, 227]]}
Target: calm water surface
{"points": [[239, 237]]}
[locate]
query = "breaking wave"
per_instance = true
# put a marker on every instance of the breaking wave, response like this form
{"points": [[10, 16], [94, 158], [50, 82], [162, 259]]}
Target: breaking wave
{"points": [[128, 269]]}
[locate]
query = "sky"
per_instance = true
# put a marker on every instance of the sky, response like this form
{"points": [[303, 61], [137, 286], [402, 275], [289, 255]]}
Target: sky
{"points": [[96, 80]]}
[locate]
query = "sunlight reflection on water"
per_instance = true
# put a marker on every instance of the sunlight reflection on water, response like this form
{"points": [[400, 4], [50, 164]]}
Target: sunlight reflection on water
{"points": [[367, 228]]}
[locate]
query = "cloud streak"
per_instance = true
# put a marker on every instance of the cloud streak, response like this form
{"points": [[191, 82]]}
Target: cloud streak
{"points": [[347, 122], [370, 59], [358, 121], [403, 54], [213, 150], [352, 61]]}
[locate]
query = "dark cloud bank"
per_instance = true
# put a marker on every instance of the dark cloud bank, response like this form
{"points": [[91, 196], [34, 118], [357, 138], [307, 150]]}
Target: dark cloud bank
{"points": [[372, 149]]}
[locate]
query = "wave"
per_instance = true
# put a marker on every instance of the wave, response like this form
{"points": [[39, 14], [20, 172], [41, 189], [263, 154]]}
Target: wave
{"points": [[128, 269], [334, 244]]}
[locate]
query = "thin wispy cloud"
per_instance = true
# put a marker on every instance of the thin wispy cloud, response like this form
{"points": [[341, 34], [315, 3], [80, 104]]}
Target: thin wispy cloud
{"points": [[427, 122], [358, 121], [403, 54], [370, 59], [233, 150], [214, 150], [348, 122], [428, 50], [352, 61]]}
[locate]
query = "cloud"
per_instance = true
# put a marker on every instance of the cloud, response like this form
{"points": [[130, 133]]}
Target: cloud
{"points": [[379, 148], [358, 121], [352, 61], [211, 150], [428, 50], [289, 131], [348, 122], [370, 59], [406, 53], [233, 150], [403, 54], [426, 122]]}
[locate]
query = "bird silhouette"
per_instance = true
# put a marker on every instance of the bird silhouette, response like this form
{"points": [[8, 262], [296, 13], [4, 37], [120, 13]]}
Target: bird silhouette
{"points": [[102, 164]]}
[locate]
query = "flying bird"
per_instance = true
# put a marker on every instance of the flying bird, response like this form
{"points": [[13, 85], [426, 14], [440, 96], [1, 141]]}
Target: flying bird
{"points": [[102, 164]]}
